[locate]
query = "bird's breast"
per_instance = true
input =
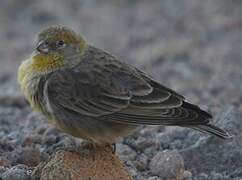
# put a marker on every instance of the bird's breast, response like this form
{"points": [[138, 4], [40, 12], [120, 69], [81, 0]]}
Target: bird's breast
{"points": [[32, 85], [44, 63]]}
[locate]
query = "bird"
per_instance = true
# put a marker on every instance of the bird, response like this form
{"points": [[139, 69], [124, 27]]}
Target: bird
{"points": [[90, 94]]}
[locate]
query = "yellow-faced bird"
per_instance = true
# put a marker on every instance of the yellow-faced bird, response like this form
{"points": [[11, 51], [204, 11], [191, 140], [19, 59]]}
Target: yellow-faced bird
{"points": [[90, 94]]}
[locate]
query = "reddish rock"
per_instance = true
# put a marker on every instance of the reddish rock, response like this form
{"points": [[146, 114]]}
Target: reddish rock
{"points": [[99, 165]]}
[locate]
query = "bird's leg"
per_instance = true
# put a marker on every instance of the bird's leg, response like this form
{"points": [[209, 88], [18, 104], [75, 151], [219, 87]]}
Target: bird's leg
{"points": [[89, 145], [92, 147], [112, 146]]}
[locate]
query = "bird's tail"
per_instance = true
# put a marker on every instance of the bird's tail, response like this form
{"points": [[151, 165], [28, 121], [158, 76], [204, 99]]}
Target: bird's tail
{"points": [[205, 126], [211, 129]]}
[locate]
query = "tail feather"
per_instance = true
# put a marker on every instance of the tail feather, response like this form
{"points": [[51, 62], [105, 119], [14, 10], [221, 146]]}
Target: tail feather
{"points": [[211, 129], [205, 125]]}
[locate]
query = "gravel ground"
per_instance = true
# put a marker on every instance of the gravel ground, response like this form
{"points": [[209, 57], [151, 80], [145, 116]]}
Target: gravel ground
{"points": [[192, 46]]}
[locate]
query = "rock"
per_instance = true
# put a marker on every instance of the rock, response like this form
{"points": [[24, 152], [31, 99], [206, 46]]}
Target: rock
{"points": [[2, 170], [31, 139], [6, 146], [144, 142], [217, 176], [131, 168], [48, 131], [99, 165], [41, 129], [28, 156], [4, 162], [19, 172], [187, 175], [49, 140], [154, 178], [237, 172], [202, 176], [125, 152], [141, 162], [168, 165]]}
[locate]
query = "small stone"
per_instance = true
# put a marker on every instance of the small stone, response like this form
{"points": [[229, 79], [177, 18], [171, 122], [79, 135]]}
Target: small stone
{"points": [[133, 172], [142, 143], [216, 176], [149, 152], [65, 141], [28, 156], [31, 139], [4, 162], [168, 165], [51, 131], [165, 140], [187, 175], [131, 168], [2, 134], [140, 176], [13, 135], [202, 176], [42, 128], [141, 162], [2, 170], [154, 178], [237, 172], [125, 152], [48, 140], [16, 173]]}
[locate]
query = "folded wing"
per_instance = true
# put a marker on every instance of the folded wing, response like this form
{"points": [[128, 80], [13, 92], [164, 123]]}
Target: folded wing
{"points": [[113, 91]]}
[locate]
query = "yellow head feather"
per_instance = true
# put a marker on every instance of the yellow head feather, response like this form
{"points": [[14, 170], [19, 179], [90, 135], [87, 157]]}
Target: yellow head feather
{"points": [[55, 33]]}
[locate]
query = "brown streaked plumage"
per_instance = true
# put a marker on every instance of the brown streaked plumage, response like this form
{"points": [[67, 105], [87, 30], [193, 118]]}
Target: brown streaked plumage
{"points": [[90, 94]]}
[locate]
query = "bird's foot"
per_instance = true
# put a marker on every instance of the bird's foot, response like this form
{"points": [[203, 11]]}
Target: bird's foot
{"points": [[112, 146]]}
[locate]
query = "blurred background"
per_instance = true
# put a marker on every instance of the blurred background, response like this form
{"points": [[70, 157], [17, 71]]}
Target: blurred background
{"points": [[192, 46]]}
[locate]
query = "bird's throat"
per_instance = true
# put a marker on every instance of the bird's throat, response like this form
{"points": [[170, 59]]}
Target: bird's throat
{"points": [[43, 63]]}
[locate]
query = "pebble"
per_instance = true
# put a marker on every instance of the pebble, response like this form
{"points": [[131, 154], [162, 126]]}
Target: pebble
{"points": [[202, 176], [125, 152], [29, 156], [217, 176], [187, 175], [4, 162], [29, 140], [154, 178], [19, 172], [141, 162], [167, 164]]}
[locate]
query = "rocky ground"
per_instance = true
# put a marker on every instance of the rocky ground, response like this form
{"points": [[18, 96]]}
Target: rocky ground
{"points": [[192, 46]]}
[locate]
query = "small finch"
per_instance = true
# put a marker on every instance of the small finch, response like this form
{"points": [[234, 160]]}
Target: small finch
{"points": [[90, 94]]}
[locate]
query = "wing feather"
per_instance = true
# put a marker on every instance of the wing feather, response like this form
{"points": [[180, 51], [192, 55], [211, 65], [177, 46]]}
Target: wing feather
{"points": [[110, 90]]}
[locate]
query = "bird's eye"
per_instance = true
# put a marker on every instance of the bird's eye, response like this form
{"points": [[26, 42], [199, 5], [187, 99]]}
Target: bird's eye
{"points": [[60, 43]]}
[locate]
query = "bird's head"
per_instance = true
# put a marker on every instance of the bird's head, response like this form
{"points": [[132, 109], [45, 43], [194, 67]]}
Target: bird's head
{"points": [[57, 47]]}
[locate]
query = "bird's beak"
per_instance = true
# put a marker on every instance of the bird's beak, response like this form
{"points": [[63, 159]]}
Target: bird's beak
{"points": [[42, 47]]}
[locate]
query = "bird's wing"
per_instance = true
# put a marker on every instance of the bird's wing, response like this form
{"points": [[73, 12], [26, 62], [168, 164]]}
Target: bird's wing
{"points": [[80, 93], [100, 86], [97, 86], [103, 88]]}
